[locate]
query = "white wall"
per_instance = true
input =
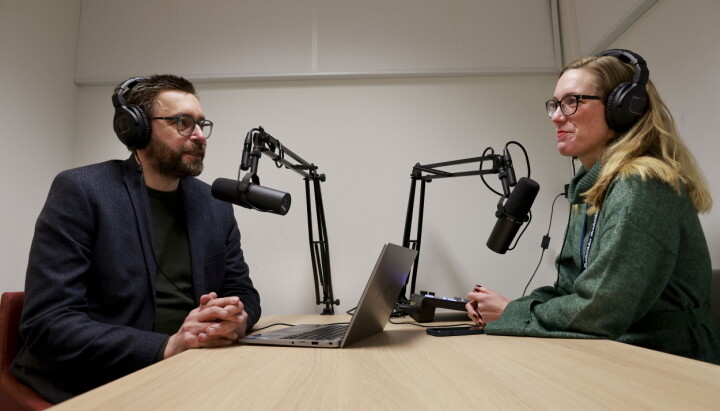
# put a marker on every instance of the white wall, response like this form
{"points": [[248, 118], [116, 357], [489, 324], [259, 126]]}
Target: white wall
{"points": [[366, 135], [681, 43], [310, 39], [37, 113]]}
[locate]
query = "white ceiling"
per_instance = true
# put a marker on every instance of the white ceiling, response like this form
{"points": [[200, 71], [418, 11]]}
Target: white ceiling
{"points": [[590, 26], [235, 40]]}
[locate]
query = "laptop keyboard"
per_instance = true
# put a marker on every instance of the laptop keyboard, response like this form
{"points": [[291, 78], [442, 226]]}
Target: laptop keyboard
{"points": [[329, 332]]}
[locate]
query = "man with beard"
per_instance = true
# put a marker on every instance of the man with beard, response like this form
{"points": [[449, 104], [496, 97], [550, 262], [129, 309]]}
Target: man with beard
{"points": [[133, 261]]}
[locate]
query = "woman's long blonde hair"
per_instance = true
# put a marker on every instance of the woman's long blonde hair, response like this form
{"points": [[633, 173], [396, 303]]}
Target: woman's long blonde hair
{"points": [[652, 148]]}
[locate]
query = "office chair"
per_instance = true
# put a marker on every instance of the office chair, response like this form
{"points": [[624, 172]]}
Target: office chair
{"points": [[14, 395]]}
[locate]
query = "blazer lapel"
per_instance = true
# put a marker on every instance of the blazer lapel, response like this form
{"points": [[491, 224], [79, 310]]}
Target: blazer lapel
{"points": [[197, 226], [143, 221]]}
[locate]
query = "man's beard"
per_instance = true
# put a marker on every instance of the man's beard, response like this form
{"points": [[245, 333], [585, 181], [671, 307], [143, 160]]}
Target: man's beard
{"points": [[169, 162]]}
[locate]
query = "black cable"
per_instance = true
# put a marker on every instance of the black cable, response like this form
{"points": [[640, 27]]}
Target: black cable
{"points": [[572, 162], [431, 325], [545, 243], [400, 314], [391, 321], [146, 208], [527, 162], [490, 149], [192, 297], [482, 176], [522, 232], [527, 158]]}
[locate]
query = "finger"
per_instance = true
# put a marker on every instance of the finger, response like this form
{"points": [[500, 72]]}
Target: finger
{"points": [[203, 338], [237, 318], [472, 313], [224, 301], [205, 298], [232, 336], [230, 313], [228, 330], [211, 315], [234, 310], [485, 290]]}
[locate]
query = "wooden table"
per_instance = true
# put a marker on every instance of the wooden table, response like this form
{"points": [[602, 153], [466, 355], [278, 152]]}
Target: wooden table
{"points": [[404, 368]]}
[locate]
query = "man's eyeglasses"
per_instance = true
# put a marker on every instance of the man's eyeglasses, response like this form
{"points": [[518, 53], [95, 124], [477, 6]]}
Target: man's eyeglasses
{"points": [[186, 124], [568, 104]]}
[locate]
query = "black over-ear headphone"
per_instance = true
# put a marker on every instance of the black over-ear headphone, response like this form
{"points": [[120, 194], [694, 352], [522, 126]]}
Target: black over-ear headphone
{"points": [[130, 122], [627, 102]]}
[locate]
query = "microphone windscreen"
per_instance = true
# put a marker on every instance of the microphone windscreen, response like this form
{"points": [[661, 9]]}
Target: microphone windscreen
{"points": [[225, 189], [513, 215], [256, 197], [522, 198], [502, 234]]}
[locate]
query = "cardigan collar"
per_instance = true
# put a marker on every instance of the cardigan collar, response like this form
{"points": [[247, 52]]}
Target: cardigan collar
{"points": [[582, 182]]}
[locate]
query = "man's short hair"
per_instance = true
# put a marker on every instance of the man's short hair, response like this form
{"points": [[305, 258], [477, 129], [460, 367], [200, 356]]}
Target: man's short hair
{"points": [[144, 92]]}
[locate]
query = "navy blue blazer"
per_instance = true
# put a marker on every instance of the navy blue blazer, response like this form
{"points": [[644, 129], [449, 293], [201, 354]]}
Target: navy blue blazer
{"points": [[90, 284]]}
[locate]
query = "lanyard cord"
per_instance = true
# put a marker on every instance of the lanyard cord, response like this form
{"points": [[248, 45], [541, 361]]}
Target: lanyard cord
{"points": [[584, 256]]}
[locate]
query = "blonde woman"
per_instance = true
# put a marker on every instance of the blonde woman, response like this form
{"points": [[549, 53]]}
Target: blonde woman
{"points": [[635, 265]]}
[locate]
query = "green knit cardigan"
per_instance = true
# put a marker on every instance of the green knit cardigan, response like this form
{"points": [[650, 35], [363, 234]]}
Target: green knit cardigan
{"points": [[647, 280]]}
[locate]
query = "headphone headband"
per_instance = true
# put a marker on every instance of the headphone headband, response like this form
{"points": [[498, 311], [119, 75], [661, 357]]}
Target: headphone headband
{"points": [[626, 56], [118, 97], [628, 101], [129, 121]]}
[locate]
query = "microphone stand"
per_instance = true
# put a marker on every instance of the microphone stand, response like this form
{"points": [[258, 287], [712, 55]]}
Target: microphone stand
{"points": [[500, 165], [257, 143]]}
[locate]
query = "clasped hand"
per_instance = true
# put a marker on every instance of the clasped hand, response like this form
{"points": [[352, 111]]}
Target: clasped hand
{"points": [[216, 322], [485, 305]]}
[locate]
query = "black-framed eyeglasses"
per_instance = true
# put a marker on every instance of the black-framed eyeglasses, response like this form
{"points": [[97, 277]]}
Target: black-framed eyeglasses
{"points": [[568, 104], [186, 124]]}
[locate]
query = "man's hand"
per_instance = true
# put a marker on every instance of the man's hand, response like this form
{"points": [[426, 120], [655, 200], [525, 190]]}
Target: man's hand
{"points": [[216, 322]]}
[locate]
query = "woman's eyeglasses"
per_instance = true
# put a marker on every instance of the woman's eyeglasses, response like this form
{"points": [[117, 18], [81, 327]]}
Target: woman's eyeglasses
{"points": [[568, 104]]}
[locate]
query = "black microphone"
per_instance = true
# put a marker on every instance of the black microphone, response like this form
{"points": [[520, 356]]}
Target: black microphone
{"points": [[255, 197], [512, 215]]}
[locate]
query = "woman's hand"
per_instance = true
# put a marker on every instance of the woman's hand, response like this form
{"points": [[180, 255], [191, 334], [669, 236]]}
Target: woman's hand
{"points": [[485, 305]]}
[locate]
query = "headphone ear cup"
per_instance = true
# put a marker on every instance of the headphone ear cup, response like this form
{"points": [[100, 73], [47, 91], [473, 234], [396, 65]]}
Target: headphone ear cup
{"points": [[132, 127], [611, 113], [625, 105]]}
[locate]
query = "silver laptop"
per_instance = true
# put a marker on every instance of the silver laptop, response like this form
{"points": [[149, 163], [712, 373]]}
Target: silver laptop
{"points": [[371, 315]]}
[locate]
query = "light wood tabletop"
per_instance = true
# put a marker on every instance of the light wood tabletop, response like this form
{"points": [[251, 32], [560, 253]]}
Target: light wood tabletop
{"points": [[404, 368]]}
